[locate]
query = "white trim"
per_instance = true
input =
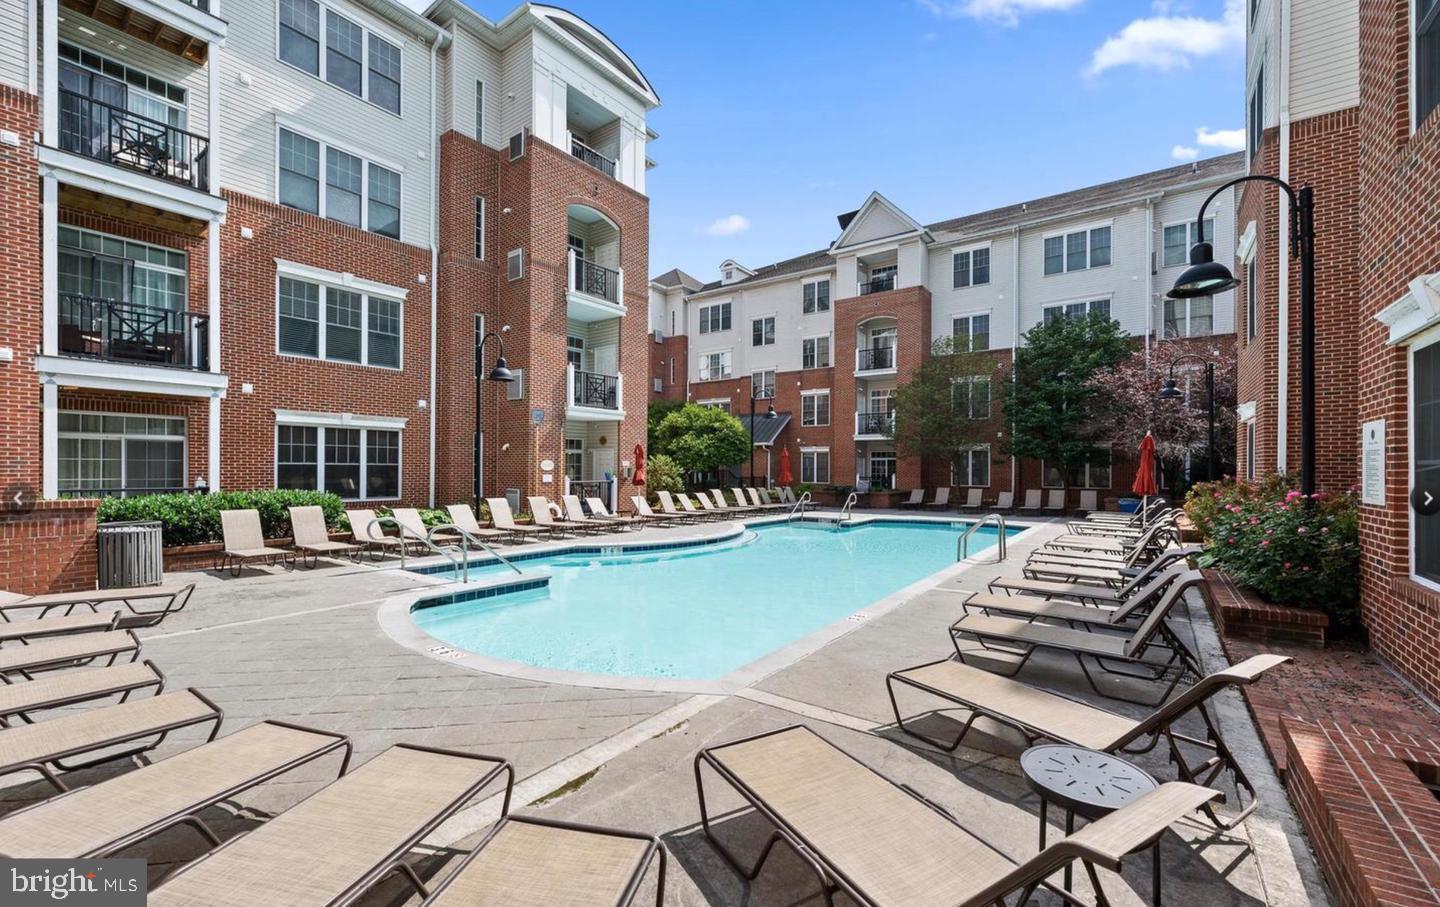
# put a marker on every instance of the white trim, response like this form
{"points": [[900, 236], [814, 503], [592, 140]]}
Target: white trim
{"points": [[364, 451], [342, 280], [829, 297], [1078, 228], [774, 338], [1245, 245], [184, 17], [339, 420], [366, 162], [367, 25], [729, 371], [1429, 338], [98, 374], [1245, 412], [1190, 240], [829, 351], [875, 198], [290, 270], [129, 185], [1064, 235], [816, 392], [971, 248], [183, 438], [511, 256], [1416, 311]]}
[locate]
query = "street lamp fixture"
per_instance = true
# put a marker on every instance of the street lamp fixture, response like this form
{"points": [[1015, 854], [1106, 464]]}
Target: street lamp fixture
{"points": [[499, 373], [1206, 277], [1172, 392], [769, 414]]}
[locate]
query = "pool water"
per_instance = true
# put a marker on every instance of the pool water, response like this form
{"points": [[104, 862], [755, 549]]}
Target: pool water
{"points": [[697, 613]]}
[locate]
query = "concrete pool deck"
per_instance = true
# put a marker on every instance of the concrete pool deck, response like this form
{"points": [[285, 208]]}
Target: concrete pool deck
{"points": [[308, 647]]}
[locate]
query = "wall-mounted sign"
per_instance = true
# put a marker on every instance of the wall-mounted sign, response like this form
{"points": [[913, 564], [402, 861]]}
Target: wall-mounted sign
{"points": [[1372, 463], [537, 416], [547, 465]]}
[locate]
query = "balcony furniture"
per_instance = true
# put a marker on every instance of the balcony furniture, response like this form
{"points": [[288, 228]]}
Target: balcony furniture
{"points": [[592, 157], [119, 331], [104, 132]]}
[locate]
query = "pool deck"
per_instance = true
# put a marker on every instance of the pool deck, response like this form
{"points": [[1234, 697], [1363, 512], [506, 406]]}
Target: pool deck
{"points": [[309, 647]]}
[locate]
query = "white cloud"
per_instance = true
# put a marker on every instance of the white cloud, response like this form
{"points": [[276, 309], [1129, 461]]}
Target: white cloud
{"points": [[1224, 139], [727, 226], [1003, 12], [1169, 42], [1183, 153]]}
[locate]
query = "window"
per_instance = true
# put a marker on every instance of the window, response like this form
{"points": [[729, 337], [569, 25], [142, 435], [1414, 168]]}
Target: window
{"points": [[100, 266], [574, 458], [1180, 237], [762, 331], [479, 111], [729, 274], [971, 332], [356, 327], [1425, 453], [815, 352], [1076, 309], [971, 268], [971, 396], [722, 405], [515, 390], [357, 62], [714, 318], [95, 76], [1256, 129], [1252, 297], [971, 467], [1077, 251], [816, 297], [715, 365], [815, 465], [1250, 450], [106, 454], [1093, 474], [515, 264], [1190, 317], [575, 351], [815, 408], [357, 192], [480, 227], [762, 383], [1427, 58], [882, 469], [357, 464], [517, 145]]}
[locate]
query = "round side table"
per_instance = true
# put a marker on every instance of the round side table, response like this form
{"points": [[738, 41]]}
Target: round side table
{"points": [[1088, 783]]}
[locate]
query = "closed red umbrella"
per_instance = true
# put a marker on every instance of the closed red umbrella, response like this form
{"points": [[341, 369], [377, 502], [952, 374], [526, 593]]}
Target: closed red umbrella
{"points": [[786, 476], [639, 457], [1145, 472]]}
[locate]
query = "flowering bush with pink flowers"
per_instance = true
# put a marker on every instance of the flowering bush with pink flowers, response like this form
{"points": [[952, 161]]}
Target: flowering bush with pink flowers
{"points": [[1293, 552]]}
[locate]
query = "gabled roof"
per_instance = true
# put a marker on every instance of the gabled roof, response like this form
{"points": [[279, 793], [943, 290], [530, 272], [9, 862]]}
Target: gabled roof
{"points": [[876, 205], [766, 430], [677, 278]]}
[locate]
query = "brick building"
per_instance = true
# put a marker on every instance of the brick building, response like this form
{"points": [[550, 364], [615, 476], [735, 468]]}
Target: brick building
{"points": [[255, 244], [827, 337]]}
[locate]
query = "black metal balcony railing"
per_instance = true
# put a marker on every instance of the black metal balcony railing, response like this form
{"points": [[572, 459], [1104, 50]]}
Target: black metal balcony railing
{"points": [[104, 132], [881, 284], [592, 157], [595, 488], [875, 357], [127, 332], [595, 280], [597, 391], [877, 423]]}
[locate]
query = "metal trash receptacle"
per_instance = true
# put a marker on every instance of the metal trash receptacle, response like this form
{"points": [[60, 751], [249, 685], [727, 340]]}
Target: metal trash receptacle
{"points": [[130, 554]]}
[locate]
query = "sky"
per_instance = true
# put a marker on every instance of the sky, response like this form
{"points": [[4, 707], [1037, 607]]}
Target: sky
{"points": [[778, 116]]}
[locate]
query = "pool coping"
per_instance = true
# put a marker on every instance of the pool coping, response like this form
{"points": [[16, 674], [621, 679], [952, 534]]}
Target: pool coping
{"points": [[394, 613]]}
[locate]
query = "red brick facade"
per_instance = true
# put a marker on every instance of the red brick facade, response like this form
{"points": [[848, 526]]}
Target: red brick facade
{"points": [[20, 296], [669, 366], [50, 548]]}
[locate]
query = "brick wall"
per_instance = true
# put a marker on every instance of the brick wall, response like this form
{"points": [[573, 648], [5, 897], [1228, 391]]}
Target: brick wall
{"points": [[670, 363], [50, 548], [20, 295]]}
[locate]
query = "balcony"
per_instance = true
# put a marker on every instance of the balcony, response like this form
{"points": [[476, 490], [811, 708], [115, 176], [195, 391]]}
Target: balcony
{"points": [[875, 360], [874, 426], [593, 397], [593, 158], [186, 28], [113, 331], [880, 284], [103, 132], [593, 292]]}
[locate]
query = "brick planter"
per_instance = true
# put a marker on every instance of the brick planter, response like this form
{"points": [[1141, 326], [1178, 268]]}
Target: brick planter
{"points": [[1239, 613], [48, 548]]}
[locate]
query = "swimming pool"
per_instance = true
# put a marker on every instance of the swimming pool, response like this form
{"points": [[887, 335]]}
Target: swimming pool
{"points": [[698, 612]]}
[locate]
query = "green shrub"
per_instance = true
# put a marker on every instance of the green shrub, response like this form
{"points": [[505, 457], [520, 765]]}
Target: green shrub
{"points": [[194, 519], [1291, 552], [663, 474]]}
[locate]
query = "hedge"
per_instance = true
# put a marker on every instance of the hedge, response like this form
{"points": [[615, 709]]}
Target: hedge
{"points": [[194, 519]]}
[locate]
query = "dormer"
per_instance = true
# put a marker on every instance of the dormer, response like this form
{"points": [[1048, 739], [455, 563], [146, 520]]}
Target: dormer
{"points": [[732, 271], [880, 248]]}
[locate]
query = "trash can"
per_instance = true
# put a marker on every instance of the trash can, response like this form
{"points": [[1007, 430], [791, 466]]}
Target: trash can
{"points": [[130, 554]]}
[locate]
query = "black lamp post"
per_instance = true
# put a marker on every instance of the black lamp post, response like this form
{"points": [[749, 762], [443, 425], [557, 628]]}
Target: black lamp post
{"points": [[769, 414], [501, 373], [1206, 277], [1171, 392]]}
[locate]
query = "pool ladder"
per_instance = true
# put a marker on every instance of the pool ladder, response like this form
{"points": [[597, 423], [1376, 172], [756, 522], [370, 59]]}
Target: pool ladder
{"points": [[470, 540], [461, 564], [962, 547], [799, 508], [845, 512]]}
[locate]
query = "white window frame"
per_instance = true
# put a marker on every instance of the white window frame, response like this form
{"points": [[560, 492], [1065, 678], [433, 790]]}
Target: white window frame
{"points": [[811, 395], [1250, 433], [1189, 314], [814, 478], [972, 380], [367, 26], [727, 362], [1426, 339], [480, 110], [955, 479], [721, 403], [829, 301], [761, 373], [480, 227], [1088, 302], [326, 421], [1085, 482], [969, 319], [1190, 240], [829, 351], [184, 440], [703, 314], [365, 163], [182, 106], [1252, 297], [971, 250], [328, 280], [515, 257], [1065, 235], [760, 320]]}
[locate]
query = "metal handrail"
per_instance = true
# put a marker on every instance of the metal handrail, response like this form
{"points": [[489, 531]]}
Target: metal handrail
{"points": [[845, 514], [474, 540], [799, 507], [584, 152], [962, 547], [463, 565]]}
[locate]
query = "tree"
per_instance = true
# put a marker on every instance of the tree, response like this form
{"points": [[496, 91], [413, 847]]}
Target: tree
{"points": [[1128, 404], [933, 409], [662, 474], [701, 438], [656, 414], [1052, 403]]}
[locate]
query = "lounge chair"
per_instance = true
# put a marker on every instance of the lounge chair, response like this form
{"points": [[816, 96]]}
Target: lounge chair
{"points": [[667, 504], [19, 700], [1021, 640], [113, 815], [175, 599], [1005, 501], [644, 511], [44, 746], [341, 841], [1089, 501], [575, 512], [464, 518], [1096, 592], [599, 512], [917, 497], [245, 543], [704, 505], [1042, 715], [21, 631], [884, 844], [531, 862], [760, 504], [1032, 501], [717, 497], [787, 495], [1055, 501], [1137, 605], [414, 525], [942, 499], [540, 513], [312, 538], [742, 501], [974, 500], [370, 536], [504, 520], [68, 651]]}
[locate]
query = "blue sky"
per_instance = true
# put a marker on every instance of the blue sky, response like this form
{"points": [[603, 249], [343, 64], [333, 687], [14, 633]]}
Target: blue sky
{"points": [[778, 116]]}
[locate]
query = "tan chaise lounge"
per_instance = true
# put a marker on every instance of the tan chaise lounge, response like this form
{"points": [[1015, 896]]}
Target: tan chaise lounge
{"points": [[1005, 501], [18, 631], [974, 500], [414, 526], [531, 862], [540, 513], [1032, 501], [1042, 715], [337, 844], [464, 517], [1055, 501], [370, 536], [667, 504], [1097, 593], [1074, 614], [19, 700], [504, 520], [599, 512], [110, 816], [884, 845], [644, 511], [312, 536], [176, 597], [917, 496], [68, 651], [942, 499], [245, 543], [755, 499]]}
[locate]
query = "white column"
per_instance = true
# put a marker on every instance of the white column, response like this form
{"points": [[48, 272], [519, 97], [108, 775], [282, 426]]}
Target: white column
{"points": [[213, 472], [49, 439], [212, 118], [212, 295], [50, 66], [49, 265]]}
